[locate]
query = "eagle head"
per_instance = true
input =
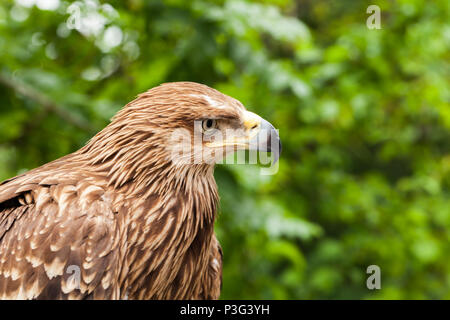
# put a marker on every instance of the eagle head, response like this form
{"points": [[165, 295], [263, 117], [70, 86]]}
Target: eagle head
{"points": [[176, 129], [196, 124]]}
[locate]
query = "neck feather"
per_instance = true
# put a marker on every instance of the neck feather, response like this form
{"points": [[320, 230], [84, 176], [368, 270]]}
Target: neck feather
{"points": [[137, 164]]}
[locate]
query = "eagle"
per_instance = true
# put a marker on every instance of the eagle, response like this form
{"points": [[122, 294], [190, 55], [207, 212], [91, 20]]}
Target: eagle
{"points": [[131, 214]]}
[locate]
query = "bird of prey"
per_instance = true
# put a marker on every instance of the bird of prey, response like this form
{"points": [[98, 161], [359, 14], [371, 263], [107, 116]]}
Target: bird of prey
{"points": [[131, 214]]}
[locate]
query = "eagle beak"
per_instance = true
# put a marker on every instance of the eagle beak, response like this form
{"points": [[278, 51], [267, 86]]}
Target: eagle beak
{"points": [[258, 135], [262, 135]]}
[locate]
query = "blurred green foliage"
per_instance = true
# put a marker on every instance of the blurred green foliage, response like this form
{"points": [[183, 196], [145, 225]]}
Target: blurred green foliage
{"points": [[363, 114]]}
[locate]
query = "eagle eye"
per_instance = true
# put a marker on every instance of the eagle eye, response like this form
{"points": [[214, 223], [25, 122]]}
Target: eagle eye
{"points": [[209, 124]]}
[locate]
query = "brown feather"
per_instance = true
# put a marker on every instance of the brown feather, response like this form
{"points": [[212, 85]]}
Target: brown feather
{"points": [[134, 224]]}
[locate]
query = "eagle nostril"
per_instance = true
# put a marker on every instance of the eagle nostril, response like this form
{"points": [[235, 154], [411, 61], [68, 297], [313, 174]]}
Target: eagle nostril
{"points": [[254, 126]]}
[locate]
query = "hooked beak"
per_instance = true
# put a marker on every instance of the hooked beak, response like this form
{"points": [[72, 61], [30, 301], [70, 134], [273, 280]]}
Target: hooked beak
{"points": [[259, 135], [264, 136]]}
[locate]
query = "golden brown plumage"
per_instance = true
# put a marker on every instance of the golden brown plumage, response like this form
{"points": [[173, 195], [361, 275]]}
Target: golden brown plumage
{"points": [[119, 219]]}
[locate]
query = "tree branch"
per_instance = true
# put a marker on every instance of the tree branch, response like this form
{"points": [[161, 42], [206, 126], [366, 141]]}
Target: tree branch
{"points": [[48, 105]]}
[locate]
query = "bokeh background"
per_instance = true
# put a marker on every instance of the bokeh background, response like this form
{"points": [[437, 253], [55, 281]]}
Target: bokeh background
{"points": [[363, 114]]}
